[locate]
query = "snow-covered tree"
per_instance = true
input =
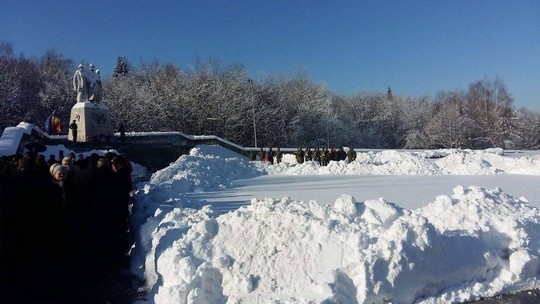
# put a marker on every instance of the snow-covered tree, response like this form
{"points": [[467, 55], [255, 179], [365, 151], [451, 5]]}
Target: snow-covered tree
{"points": [[56, 91], [121, 68], [416, 113], [449, 128], [10, 110], [528, 129], [489, 104]]}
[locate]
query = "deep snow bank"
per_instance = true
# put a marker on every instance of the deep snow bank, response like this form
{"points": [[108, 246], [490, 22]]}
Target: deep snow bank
{"points": [[475, 242], [205, 168]]}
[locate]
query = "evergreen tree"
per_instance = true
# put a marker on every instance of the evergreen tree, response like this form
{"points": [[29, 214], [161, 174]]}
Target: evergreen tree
{"points": [[121, 68]]}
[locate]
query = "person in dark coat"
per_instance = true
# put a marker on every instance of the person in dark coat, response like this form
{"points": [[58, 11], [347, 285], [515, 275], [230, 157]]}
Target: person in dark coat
{"points": [[317, 155], [279, 155], [332, 154], [127, 163], [308, 155], [59, 174], [73, 127], [122, 130], [341, 154], [325, 157], [6, 171], [81, 162], [122, 187], [95, 188], [41, 166], [261, 154], [351, 155], [269, 156], [86, 184], [34, 248], [52, 160], [73, 208], [300, 155]]}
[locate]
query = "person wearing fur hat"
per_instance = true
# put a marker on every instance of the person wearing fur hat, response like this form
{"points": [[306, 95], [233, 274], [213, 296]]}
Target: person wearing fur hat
{"points": [[65, 183], [59, 173]]}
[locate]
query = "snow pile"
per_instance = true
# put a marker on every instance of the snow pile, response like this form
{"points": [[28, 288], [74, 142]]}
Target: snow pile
{"points": [[212, 166], [529, 165], [473, 243], [438, 162], [391, 162], [375, 252], [205, 168]]}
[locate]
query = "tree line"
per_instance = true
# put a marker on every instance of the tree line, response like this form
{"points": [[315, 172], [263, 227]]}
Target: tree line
{"points": [[286, 111]]}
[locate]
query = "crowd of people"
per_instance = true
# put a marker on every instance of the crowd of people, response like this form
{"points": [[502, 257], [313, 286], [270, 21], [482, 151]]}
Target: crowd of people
{"points": [[322, 156], [53, 212]]}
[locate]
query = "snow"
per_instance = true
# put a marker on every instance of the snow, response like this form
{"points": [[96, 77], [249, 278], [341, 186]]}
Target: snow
{"points": [[11, 137], [393, 226], [216, 228]]}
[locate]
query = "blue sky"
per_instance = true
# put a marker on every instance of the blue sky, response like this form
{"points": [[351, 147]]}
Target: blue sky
{"points": [[416, 47]]}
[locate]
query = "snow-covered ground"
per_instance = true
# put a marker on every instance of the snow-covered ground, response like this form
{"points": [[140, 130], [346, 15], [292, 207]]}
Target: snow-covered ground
{"points": [[393, 226], [401, 227]]}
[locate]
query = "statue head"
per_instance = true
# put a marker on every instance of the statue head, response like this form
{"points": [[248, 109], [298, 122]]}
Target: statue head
{"points": [[80, 67], [92, 67]]}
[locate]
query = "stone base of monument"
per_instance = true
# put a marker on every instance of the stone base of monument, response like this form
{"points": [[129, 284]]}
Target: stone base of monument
{"points": [[93, 122]]}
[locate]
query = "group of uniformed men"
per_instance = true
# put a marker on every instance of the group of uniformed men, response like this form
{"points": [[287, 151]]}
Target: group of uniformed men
{"points": [[322, 156]]}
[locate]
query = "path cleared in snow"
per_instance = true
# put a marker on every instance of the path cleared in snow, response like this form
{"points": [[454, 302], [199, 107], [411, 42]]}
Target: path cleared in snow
{"points": [[408, 191]]}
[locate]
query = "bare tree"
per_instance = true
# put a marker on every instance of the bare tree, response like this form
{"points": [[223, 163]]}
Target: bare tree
{"points": [[490, 104], [416, 115], [56, 93], [10, 112], [528, 129], [308, 109], [449, 128]]}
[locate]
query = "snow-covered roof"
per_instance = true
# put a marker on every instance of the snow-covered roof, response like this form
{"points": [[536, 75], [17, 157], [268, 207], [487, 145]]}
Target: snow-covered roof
{"points": [[12, 136], [9, 142]]}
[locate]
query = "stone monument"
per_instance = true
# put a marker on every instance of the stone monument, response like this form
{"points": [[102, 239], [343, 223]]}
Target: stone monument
{"points": [[89, 113]]}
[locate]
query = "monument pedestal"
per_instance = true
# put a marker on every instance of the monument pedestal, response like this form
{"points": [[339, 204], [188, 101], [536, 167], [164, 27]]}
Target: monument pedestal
{"points": [[93, 122]]}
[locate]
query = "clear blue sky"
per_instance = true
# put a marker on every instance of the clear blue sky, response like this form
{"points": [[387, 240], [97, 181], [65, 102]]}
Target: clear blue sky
{"points": [[416, 47]]}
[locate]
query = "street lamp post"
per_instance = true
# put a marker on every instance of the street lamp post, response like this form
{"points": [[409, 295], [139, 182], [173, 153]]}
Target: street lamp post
{"points": [[253, 105]]}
